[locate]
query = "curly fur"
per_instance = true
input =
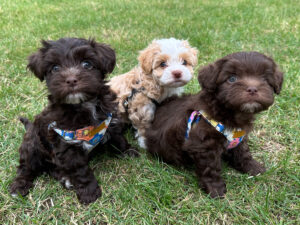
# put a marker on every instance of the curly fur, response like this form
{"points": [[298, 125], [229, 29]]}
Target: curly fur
{"points": [[74, 70], [231, 101], [159, 81]]}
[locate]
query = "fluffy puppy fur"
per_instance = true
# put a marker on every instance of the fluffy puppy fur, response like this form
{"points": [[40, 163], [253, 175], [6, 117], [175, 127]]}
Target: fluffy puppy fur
{"points": [[164, 67], [74, 70], [234, 89]]}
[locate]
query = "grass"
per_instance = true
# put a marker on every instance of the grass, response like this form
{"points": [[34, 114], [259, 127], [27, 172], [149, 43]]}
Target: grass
{"points": [[144, 190]]}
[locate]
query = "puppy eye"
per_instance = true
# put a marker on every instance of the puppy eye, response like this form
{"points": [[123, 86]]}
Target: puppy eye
{"points": [[55, 68], [163, 64], [232, 79], [87, 65], [184, 62]]}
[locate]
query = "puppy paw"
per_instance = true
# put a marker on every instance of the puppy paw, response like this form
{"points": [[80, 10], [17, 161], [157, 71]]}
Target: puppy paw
{"points": [[132, 152], [253, 168], [20, 187], [215, 189], [141, 142], [66, 183], [87, 196]]}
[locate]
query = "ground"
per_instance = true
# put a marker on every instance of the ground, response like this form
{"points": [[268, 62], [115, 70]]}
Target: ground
{"points": [[145, 190]]}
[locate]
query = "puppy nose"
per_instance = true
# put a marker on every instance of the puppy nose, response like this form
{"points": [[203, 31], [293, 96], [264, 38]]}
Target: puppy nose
{"points": [[71, 80], [252, 90], [177, 74]]}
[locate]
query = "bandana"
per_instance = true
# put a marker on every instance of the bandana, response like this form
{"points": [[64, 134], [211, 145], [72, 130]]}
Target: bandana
{"points": [[89, 136], [234, 137]]}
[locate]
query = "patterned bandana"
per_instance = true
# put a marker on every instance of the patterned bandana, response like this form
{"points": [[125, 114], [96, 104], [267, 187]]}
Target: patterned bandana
{"points": [[89, 136], [234, 137]]}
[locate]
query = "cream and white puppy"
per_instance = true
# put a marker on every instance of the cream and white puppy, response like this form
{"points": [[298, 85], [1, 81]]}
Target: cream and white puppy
{"points": [[164, 67]]}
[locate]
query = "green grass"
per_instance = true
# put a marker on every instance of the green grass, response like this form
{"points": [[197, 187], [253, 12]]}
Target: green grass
{"points": [[144, 190]]}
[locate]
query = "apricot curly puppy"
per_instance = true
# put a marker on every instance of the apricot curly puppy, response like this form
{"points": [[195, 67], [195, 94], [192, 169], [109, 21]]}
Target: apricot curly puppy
{"points": [[164, 67]]}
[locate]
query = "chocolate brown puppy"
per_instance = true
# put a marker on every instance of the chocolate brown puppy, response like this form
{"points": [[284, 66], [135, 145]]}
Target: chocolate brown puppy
{"points": [[202, 129], [79, 117]]}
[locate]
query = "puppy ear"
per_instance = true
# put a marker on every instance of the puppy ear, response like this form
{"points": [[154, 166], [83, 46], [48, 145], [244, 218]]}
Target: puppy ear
{"points": [[194, 52], [107, 56], [35, 65], [35, 61], [208, 75], [278, 80], [146, 57]]}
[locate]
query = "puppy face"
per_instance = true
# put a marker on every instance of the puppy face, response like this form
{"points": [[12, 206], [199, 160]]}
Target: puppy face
{"points": [[169, 61], [73, 68], [244, 81]]}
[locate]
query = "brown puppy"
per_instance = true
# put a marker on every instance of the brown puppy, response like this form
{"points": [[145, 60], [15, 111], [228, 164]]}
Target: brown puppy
{"points": [[234, 89], [79, 117]]}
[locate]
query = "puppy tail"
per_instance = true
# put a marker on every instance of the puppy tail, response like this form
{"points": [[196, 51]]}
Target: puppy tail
{"points": [[25, 122]]}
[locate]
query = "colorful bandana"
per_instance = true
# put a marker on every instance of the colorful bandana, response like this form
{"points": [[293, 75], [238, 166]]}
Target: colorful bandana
{"points": [[234, 137], [89, 136]]}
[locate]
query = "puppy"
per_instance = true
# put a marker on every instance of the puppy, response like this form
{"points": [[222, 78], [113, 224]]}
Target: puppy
{"points": [[201, 129], [78, 118], [164, 67]]}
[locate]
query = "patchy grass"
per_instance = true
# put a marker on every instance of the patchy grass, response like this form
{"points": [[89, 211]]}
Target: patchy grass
{"points": [[144, 190]]}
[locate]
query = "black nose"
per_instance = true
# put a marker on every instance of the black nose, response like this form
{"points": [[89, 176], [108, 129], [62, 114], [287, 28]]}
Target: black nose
{"points": [[252, 90], [71, 80]]}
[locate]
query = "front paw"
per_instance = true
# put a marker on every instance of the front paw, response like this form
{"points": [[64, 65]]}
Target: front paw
{"points": [[253, 168], [89, 194], [20, 187], [215, 189], [66, 183], [132, 152], [141, 142]]}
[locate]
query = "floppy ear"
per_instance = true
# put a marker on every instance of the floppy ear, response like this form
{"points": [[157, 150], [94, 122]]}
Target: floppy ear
{"points": [[208, 75], [146, 57], [35, 65], [35, 61], [193, 51], [278, 80], [107, 56]]}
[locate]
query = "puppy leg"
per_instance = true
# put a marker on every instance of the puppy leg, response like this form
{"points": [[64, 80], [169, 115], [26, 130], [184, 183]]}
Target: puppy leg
{"points": [[23, 182], [141, 119], [85, 184], [120, 142], [241, 159], [208, 170], [141, 138], [75, 171], [31, 165]]}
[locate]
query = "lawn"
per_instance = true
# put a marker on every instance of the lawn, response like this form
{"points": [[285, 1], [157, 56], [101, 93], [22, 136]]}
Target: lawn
{"points": [[145, 190]]}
